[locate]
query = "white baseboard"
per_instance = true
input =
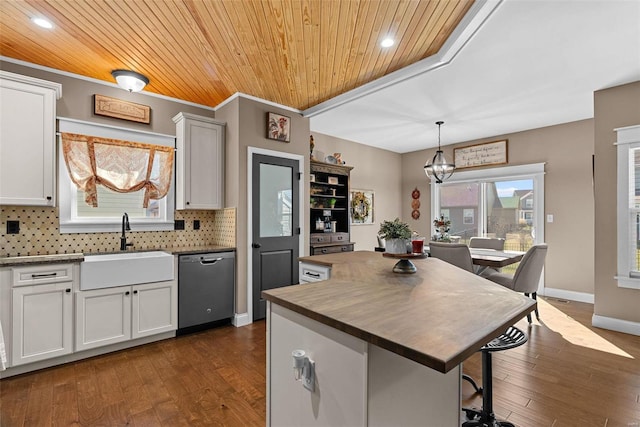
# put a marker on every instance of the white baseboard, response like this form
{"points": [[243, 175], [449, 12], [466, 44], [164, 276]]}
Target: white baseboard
{"points": [[569, 295], [614, 324], [241, 319]]}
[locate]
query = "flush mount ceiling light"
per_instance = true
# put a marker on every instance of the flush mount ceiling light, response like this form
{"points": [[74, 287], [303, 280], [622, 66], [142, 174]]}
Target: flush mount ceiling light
{"points": [[130, 80], [438, 168]]}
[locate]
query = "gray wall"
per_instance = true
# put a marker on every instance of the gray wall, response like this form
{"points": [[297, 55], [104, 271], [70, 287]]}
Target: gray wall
{"points": [[614, 108], [566, 151], [77, 101]]}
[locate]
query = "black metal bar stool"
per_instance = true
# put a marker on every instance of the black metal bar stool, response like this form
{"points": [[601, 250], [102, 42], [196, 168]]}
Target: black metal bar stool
{"points": [[512, 337]]}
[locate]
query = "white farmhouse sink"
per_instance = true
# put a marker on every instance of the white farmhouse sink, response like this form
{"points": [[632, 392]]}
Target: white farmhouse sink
{"points": [[126, 268]]}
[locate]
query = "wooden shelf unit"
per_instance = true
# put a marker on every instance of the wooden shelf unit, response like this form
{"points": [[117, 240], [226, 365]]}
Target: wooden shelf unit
{"points": [[322, 192]]}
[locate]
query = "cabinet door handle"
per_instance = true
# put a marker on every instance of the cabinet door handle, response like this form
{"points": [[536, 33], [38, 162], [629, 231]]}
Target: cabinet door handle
{"points": [[188, 203], [36, 276], [256, 245], [135, 292], [127, 293], [67, 290], [49, 197], [324, 251], [312, 274]]}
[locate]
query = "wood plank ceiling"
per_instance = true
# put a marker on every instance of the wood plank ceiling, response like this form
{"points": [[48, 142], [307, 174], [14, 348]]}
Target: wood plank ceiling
{"points": [[297, 53]]}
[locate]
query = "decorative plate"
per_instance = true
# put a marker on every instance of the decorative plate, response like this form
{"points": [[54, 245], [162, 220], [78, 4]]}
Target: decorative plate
{"points": [[415, 204], [415, 193], [415, 214]]}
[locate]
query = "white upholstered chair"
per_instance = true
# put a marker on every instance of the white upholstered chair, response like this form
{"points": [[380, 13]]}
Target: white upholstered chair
{"points": [[454, 253], [527, 274]]}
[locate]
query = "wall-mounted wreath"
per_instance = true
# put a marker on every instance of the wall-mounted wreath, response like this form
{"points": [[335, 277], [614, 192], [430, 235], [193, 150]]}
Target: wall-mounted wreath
{"points": [[361, 207]]}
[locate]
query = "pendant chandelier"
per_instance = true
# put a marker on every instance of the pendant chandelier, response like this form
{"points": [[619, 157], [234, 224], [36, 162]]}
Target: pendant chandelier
{"points": [[438, 168]]}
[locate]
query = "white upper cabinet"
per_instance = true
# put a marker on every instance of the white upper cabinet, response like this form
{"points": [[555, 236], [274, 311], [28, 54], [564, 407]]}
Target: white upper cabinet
{"points": [[199, 162], [27, 140]]}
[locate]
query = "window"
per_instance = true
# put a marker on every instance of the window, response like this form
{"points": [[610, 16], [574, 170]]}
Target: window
{"points": [[628, 207], [78, 217], [487, 202]]}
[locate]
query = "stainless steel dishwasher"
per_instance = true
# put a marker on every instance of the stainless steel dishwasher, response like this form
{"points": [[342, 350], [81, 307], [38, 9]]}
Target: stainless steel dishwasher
{"points": [[206, 284]]}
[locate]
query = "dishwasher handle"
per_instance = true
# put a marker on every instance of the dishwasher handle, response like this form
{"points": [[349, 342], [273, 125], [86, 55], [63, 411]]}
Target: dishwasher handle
{"points": [[205, 261]]}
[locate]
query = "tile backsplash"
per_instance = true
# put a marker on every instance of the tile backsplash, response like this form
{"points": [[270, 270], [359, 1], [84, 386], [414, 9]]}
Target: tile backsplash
{"points": [[40, 233]]}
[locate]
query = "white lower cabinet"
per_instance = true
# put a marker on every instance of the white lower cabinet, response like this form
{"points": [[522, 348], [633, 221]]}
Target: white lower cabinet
{"points": [[112, 315], [42, 322]]}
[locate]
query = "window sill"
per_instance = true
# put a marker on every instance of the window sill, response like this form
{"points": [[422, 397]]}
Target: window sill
{"points": [[628, 282]]}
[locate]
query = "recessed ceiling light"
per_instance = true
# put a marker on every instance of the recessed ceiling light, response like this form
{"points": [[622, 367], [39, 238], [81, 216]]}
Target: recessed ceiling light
{"points": [[388, 42], [41, 22]]}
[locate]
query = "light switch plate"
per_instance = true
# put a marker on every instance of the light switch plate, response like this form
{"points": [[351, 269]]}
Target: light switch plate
{"points": [[549, 217]]}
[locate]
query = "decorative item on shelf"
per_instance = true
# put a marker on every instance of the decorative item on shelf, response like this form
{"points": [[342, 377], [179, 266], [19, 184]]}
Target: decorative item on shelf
{"points": [[278, 127], [331, 160], [130, 80], [438, 168], [442, 226], [312, 177], [361, 207], [396, 234], [332, 203], [338, 157], [333, 180], [311, 146]]}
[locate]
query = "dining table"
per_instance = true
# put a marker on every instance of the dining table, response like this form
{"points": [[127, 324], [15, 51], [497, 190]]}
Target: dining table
{"points": [[493, 258]]}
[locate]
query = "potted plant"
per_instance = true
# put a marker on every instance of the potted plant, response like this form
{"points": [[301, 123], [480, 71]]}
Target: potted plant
{"points": [[396, 234], [332, 203]]}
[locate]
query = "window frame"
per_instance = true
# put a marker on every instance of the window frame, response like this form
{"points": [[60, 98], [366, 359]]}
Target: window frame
{"points": [[534, 171], [628, 139], [67, 190]]}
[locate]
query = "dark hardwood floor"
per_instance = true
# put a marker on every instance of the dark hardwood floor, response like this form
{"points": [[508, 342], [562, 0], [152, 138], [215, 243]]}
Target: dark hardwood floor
{"points": [[568, 374]]}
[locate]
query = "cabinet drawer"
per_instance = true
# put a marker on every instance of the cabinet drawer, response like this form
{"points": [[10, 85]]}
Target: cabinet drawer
{"points": [[38, 274], [313, 273], [319, 238], [332, 249], [340, 237]]}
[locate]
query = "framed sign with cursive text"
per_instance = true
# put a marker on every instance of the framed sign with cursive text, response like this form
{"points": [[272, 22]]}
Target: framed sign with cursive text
{"points": [[485, 154]]}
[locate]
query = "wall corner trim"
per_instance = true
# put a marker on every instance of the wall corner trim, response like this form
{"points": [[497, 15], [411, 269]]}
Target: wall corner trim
{"points": [[614, 324]]}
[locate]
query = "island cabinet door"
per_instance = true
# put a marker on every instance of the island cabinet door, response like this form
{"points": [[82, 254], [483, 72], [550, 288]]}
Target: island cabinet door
{"points": [[340, 393]]}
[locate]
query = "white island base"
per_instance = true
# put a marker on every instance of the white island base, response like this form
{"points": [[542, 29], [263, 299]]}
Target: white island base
{"points": [[357, 383]]}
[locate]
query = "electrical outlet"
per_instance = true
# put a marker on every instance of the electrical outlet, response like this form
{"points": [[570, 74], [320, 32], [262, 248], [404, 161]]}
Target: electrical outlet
{"points": [[13, 227], [196, 224], [179, 224]]}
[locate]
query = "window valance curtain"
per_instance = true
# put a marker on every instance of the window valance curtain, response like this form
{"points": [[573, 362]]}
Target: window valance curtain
{"points": [[121, 166]]}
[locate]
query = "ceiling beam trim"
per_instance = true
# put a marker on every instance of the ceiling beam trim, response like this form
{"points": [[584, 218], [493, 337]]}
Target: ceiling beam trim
{"points": [[475, 18]]}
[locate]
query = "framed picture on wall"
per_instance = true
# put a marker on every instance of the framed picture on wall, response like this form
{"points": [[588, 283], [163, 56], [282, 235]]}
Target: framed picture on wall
{"points": [[361, 207], [278, 127]]}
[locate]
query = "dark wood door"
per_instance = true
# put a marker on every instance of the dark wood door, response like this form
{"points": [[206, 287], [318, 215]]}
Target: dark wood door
{"points": [[276, 226]]}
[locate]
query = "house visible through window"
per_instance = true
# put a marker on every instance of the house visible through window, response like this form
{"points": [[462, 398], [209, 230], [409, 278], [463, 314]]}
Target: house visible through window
{"points": [[502, 202]]}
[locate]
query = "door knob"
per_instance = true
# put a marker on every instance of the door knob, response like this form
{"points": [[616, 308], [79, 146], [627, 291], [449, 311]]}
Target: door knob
{"points": [[256, 245]]}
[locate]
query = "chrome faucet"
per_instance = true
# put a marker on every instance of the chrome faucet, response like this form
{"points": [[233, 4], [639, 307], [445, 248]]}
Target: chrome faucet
{"points": [[125, 227]]}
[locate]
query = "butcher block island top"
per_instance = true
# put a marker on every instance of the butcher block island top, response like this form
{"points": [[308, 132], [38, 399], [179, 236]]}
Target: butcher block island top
{"points": [[438, 316]]}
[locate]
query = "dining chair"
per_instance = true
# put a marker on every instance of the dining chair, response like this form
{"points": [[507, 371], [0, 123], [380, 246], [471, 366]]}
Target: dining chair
{"points": [[526, 277], [454, 253], [487, 243]]}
